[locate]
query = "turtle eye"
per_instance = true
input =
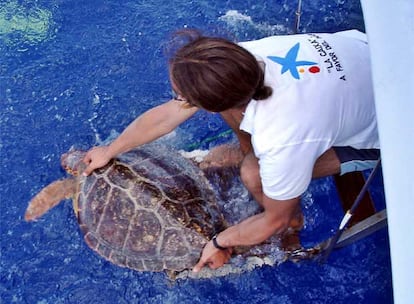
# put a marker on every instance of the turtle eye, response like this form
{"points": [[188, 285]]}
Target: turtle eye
{"points": [[70, 170]]}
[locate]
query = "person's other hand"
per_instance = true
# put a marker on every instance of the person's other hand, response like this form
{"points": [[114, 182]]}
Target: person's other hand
{"points": [[212, 257], [96, 158]]}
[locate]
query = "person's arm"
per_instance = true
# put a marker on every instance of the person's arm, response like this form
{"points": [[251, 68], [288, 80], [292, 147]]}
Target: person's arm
{"points": [[274, 219], [147, 127], [233, 117]]}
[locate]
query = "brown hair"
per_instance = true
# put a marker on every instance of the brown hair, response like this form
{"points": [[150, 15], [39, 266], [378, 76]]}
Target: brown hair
{"points": [[216, 74]]}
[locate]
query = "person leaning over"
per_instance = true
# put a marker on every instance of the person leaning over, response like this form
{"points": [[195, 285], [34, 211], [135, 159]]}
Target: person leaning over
{"points": [[301, 106]]}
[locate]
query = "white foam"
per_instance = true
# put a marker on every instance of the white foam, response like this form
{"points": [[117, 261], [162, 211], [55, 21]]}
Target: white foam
{"points": [[195, 155], [236, 20]]}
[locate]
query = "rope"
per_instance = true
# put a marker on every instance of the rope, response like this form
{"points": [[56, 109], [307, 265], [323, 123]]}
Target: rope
{"points": [[209, 139], [298, 13]]}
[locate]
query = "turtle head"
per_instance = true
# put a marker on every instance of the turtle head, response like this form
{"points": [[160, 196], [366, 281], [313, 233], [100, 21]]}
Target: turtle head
{"points": [[72, 162]]}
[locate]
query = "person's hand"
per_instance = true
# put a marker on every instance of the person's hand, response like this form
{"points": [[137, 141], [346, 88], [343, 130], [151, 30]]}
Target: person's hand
{"points": [[95, 158], [212, 257]]}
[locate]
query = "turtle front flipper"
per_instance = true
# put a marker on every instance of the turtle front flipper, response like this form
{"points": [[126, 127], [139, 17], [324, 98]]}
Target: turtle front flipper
{"points": [[49, 197], [222, 156]]}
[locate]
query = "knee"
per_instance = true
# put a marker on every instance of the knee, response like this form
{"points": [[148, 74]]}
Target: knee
{"points": [[250, 176]]}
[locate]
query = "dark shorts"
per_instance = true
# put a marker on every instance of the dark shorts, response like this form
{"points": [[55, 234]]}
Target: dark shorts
{"points": [[356, 159]]}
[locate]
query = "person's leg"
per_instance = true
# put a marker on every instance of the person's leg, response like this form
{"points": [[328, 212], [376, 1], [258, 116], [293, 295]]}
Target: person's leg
{"points": [[340, 160], [352, 159], [327, 164], [250, 176]]}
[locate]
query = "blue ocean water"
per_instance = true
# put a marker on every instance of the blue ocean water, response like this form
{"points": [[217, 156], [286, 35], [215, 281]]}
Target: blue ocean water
{"points": [[78, 72]]}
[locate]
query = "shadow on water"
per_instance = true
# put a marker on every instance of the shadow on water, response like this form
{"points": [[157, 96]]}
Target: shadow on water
{"points": [[77, 72]]}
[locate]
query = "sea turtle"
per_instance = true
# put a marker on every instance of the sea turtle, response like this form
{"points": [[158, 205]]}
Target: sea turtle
{"points": [[149, 209]]}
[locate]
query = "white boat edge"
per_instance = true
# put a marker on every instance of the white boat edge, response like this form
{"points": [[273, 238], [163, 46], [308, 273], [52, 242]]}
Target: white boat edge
{"points": [[390, 29]]}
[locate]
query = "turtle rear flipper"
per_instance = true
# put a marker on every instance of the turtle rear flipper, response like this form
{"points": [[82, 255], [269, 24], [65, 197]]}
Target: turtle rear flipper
{"points": [[49, 197]]}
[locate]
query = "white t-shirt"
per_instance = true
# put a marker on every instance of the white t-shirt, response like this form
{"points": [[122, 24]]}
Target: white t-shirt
{"points": [[322, 97]]}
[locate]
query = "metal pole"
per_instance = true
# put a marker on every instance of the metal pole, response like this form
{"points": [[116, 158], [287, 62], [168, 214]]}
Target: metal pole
{"points": [[348, 215]]}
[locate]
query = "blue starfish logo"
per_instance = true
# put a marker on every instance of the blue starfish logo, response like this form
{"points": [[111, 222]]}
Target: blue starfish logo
{"points": [[289, 62]]}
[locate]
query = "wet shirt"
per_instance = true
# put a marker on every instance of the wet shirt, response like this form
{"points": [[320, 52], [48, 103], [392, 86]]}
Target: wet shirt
{"points": [[322, 97]]}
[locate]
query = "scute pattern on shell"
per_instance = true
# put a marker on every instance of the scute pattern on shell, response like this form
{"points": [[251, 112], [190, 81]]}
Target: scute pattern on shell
{"points": [[150, 209]]}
